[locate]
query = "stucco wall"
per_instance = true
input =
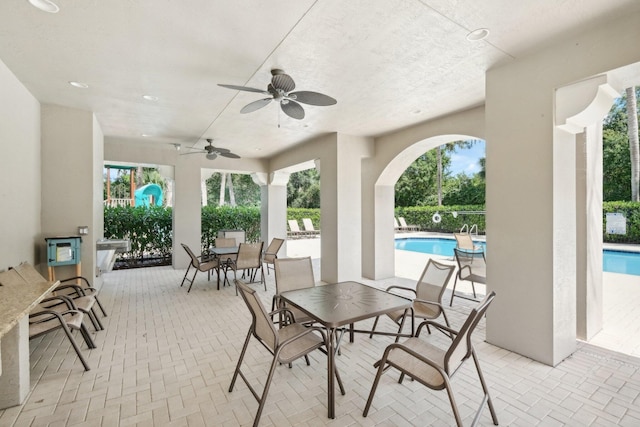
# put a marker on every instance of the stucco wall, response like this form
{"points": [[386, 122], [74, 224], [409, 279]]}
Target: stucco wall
{"points": [[19, 171]]}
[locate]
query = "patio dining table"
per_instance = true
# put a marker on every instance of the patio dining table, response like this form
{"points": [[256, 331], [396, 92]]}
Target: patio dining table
{"points": [[339, 304]]}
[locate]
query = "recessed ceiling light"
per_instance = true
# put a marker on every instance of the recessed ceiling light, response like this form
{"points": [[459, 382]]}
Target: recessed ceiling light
{"points": [[150, 98], [416, 111], [45, 5], [146, 135], [477, 35], [79, 85]]}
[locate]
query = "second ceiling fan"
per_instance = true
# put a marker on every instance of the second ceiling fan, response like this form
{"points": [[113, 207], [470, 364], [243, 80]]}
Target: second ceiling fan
{"points": [[280, 90]]}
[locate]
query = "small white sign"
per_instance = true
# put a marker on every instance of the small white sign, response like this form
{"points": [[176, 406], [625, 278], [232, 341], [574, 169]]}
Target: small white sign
{"points": [[616, 223]]}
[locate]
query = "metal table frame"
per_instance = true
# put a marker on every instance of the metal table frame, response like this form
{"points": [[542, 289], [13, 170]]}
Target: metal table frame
{"points": [[340, 304]]}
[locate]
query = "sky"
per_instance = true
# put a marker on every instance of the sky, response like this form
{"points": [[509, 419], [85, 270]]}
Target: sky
{"points": [[466, 160]]}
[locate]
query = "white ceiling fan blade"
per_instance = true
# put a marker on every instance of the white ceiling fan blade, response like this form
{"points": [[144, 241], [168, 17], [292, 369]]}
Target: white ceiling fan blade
{"points": [[313, 98], [256, 105], [244, 88], [292, 109], [230, 155]]}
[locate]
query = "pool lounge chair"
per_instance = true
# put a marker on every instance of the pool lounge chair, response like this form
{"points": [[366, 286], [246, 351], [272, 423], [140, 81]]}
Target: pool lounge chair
{"points": [[404, 225], [294, 230], [308, 227]]}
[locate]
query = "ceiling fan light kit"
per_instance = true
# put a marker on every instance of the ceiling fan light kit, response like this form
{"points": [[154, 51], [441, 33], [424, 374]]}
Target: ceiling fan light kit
{"points": [[280, 90]]}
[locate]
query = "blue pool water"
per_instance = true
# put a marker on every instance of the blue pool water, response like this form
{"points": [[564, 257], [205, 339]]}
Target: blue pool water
{"points": [[613, 261]]}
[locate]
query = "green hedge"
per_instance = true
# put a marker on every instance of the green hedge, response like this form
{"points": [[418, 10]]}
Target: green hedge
{"points": [[299, 213], [150, 229]]}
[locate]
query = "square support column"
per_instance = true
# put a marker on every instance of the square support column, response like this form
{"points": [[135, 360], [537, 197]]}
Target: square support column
{"points": [[273, 206], [187, 212]]}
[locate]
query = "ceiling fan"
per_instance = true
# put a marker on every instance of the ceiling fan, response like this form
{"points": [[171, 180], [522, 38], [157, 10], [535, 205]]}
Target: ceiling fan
{"points": [[213, 152], [280, 90]]}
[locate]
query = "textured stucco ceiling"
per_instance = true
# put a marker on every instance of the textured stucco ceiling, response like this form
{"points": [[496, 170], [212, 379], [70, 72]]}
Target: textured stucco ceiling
{"points": [[389, 63]]}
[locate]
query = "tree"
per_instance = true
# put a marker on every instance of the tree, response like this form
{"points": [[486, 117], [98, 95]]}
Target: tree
{"points": [[418, 185], [245, 191], [634, 149], [303, 189]]}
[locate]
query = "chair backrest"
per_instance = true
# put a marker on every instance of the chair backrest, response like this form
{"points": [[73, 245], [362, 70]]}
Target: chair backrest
{"points": [[249, 255], [194, 259], [470, 263], [270, 254], [293, 273], [308, 224], [293, 225], [262, 326], [433, 282], [464, 241], [225, 242], [403, 223], [461, 347]]}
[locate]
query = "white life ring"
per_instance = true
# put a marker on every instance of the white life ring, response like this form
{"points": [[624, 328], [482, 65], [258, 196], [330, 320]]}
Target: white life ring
{"points": [[436, 218]]}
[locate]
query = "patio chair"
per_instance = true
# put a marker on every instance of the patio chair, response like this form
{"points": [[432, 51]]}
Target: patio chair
{"points": [[249, 258], [198, 265], [294, 229], [292, 274], [43, 320], [466, 243], [308, 227], [472, 266], [403, 224], [226, 242], [427, 303], [271, 253], [433, 366], [84, 296], [287, 344]]}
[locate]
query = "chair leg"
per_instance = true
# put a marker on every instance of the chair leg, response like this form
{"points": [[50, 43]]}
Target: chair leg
{"points": [[104, 313], [267, 384], [86, 336], [452, 400], [473, 287], [67, 332], [237, 371], [95, 316], [185, 275], [262, 279], [193, 279], [494, 417], [453, 293], [374, 386]]}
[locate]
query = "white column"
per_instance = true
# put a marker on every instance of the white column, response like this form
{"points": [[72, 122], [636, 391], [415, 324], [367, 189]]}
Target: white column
{"points": [[187, 212], [273, 205], [341, 206], [589, 304]]}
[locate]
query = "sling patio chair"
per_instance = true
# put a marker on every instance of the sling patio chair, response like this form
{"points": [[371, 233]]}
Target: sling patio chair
{"points": [[271, 253], [472, 267], [292, 274], [427, 303], [84, 296], [286, 344], [198, 265], [43, 320], [308, 227], [433, 366], [465, 242], [249, 260]]}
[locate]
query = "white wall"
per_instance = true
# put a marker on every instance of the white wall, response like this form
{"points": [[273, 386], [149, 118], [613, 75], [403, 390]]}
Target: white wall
{"points": [[72, 152], [19, 172], [530, 196]]}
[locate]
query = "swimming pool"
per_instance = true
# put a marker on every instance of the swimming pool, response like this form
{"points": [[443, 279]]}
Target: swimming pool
{"points": [[613, 261]]}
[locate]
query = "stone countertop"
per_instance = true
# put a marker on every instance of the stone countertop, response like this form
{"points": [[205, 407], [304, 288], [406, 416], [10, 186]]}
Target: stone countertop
{"points": [[18, 298]]}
